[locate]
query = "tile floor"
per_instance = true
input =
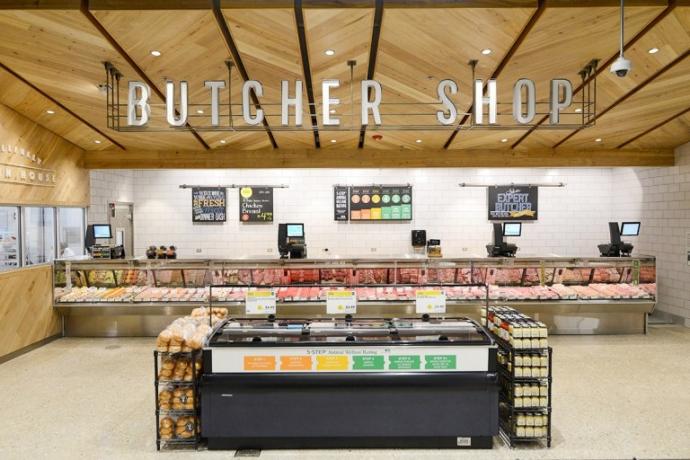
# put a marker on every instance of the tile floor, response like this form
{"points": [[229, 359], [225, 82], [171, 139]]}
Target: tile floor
{"points": [[614, 397]]}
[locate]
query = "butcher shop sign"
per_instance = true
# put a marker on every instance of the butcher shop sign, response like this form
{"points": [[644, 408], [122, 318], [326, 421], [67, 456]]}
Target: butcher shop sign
{"points": [[513, 202], [518, 107]]}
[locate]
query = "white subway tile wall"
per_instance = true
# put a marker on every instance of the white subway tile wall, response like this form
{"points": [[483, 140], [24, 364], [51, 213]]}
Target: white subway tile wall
{"points": [[660, 199], [109, 186], [572, 219]]}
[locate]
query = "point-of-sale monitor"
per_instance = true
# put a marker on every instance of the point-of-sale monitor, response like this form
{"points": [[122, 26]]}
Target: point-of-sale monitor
{"points": [[512, 229], [102, 231], [630, 229], [295, 230]]}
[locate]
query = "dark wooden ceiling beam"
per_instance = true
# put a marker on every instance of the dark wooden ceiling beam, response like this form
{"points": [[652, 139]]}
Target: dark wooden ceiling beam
{"points": [[629, 94], [655, 127], [605, 66], [501, 65], [259, 4], [373, 51], [121, 51], [228, 157], [306, 70], [237, 61], [60, 105]]}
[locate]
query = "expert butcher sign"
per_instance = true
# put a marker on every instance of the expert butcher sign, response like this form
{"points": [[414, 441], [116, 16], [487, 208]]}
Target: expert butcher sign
{"points": [[513, 202]]}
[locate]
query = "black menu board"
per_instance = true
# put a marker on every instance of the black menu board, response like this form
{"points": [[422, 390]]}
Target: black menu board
{"points": [[256, 204], [513, 202], [208, 204], [381, 202], [340, 200]]}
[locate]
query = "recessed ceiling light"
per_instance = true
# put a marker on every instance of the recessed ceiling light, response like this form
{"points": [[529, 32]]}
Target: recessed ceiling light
{"points": [[97, 141], [598, 139], [50, 112], [332, 111], [578, 110], [504, 140], [486, 51], [329, 52], [653, 50], [199, 111], [155, 53], [223, 141], [419, 141], [333, 141]]}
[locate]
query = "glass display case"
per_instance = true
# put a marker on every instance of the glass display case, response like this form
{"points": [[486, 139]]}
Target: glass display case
{"points": [[383, 287]]}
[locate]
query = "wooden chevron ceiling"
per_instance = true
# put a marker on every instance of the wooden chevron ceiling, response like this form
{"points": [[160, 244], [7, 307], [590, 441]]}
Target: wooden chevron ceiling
{"points": [[52, 54]]}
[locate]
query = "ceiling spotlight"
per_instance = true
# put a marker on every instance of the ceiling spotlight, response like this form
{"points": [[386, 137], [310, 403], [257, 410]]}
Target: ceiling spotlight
{"points": [[329, 52], [333, 141], [97, 141], [486, 51], [155, 53], [419, 141], [653, 50], [223, 141], [504, 140], [199, 111], [598, 139], [50, 112], [578, 110]]}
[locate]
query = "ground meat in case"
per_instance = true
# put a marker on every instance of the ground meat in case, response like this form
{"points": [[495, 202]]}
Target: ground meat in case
{"points": [[335, 275], [607, 275], [371, 276], [441, 275], [266, 276], [408, 276], [648, 274], [506, 276], [308, 276], [464, 276], [573, 275]]}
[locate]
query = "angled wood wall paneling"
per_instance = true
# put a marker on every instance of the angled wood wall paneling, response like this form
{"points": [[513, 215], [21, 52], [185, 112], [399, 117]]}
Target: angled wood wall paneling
{"points": [[29, 101], [26, 310], [62, 53], [638, 108], [414, 57], [561, 42], [72, 186], [140, 72], [347, 32], [192, 49], [268, 45], [603, 66]]}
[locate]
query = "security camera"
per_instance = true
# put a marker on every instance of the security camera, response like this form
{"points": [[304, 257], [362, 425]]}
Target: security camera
{"points": [[621, 66]]}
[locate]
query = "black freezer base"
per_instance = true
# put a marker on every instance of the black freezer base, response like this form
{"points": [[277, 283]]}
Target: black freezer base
{"points": [[422, 410]]}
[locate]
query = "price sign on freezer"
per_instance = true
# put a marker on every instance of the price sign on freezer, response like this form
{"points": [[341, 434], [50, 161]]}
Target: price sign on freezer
{"points": [[430, 302], [341, 302], [261, 303]]}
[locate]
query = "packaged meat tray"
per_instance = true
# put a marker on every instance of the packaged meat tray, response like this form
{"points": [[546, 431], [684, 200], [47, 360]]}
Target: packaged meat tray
{"points": [[335, 275], [607, 275], [505, 276], [408, 275], [371, 276], [572, 275], [441, 276], [308, 276], [647, 275], [464, 276], [266, 277]]}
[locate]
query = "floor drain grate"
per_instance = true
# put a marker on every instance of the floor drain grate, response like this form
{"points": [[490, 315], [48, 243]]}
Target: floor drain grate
{"points": [[248, 453]]}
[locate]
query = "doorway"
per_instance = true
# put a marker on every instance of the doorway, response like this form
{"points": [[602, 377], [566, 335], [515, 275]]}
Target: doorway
{"points": [[122, 223]]}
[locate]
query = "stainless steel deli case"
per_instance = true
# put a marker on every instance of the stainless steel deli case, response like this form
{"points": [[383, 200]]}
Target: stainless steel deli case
{"points": [[571, 295], [293, 383]]}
